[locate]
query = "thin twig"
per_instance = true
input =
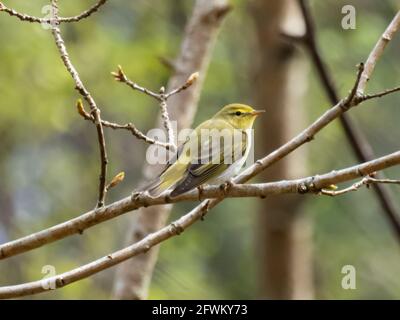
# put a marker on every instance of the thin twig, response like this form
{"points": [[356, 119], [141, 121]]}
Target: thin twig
{"points": [[371, 180], [377, 52], [198, 43], [79, 86], [379, 94], [89, 219], [169, 63], [129, 127], [28, 18], [303, 137], [181, 224]]}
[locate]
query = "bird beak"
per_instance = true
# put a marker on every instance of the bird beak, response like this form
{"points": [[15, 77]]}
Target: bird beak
{"points": [[257, 112]]}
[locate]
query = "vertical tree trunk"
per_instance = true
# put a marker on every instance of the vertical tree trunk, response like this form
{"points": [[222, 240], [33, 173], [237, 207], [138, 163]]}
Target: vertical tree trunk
{"points": [[133, 277], [280, 79]]}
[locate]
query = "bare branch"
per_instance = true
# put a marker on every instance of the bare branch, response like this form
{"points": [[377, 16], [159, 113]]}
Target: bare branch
{"points": [[136, 132], [379, 94], [201, 30], [162, 98], [129, 127], [79, 86], [169, 63], [313, 185], [377, 52], [372, 180], [28, 18], [84, 14], [302, 138], [116, 180]]}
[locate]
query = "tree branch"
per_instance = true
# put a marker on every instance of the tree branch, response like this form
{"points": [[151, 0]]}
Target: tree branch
{"points": [[378, 94], [162, 98], [366, 181], [79, 86], [91, 218], [77, 225], [312, 185]]}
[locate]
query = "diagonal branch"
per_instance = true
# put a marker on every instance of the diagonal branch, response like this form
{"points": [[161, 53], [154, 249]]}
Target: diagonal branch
{"points": [[79, 86], [378, 94], [311, 185], [132, 278], [28, 18], [356, 138], [366, 181], [121, 77]]}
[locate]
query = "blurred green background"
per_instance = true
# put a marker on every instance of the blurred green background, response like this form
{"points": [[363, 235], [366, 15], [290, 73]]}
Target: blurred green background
{"points": [[49, 156]]}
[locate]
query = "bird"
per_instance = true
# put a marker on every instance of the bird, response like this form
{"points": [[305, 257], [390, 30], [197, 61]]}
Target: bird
{"points": [[212, 154]]}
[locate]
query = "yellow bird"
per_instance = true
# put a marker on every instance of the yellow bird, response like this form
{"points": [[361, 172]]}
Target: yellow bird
{"points": [[213, 153]]}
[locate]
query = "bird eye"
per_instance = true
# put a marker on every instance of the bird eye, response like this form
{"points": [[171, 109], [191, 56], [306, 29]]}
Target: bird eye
{"points": [[238, 113]]}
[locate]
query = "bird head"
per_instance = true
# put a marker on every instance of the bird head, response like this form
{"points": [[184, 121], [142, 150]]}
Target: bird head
{"points": [[240, 116]]}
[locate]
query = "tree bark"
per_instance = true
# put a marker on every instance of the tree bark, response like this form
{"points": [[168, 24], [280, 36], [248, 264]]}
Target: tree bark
{"points": [[133, 277], [280, 77]]}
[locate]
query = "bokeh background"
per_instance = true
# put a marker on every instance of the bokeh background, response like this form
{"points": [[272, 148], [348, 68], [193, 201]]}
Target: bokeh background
{"points": [[49, 156]]}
